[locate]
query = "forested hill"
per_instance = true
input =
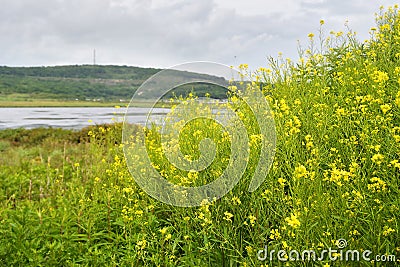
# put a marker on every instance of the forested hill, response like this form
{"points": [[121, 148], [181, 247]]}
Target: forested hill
{"points": [[83, 82]]}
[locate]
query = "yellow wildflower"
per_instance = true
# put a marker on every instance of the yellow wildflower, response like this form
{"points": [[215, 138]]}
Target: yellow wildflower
{"points": [[300, 171], [377, 158], [164, 230], [168, 237], [252, 219], [385, 108], [228, 216], [293, 221], [236, 200], [388, 230], [281, 181]]}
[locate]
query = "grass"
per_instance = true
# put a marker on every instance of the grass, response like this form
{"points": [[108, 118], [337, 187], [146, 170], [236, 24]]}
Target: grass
{"points": [[56, 103], [70, 103], [67, 198]]}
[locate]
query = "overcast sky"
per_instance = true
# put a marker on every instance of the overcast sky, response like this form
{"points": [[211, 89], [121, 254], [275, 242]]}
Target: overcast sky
{"points": [[163, 33]]}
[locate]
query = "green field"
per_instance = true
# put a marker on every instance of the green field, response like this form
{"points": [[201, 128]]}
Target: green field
{"points": [[68, 199], [60, 103], [55, 103]]}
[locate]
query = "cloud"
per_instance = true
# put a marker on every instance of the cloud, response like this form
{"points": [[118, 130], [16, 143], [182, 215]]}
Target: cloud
{"points": [[342, 8], [162, 33]]}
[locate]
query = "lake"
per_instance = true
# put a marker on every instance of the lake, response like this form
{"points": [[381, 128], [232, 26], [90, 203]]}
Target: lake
{"points": [[71, 117]]}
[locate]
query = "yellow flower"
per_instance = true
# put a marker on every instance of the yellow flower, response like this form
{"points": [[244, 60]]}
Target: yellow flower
{"points": [[377, 158], [354, 232], [228, 216], [293, 221], [388, 230], [310, 35], [139, 212], [284, 107], [281, 181], [337, 176], [243, 66], [309, 142], [249, 249], [395, 163], [379, 76], [397, 101], [236, 201], [341, 111], [164, 230], [141, 244], [252, 219], [377, 185], [274, 234], [385, 108], [300, 171], [168, 237], [256, 139]]}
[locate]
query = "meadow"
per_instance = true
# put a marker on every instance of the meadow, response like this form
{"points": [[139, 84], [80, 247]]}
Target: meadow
{"points": [[68, 199]]}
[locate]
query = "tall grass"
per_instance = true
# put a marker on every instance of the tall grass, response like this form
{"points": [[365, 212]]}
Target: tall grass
{"points": [[72, 201]]}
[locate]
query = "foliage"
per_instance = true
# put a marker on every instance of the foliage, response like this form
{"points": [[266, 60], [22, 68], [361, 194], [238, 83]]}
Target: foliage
{"points": [[106, 83], [336, 175]]}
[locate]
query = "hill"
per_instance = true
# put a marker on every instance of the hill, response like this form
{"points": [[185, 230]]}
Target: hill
{"points": [[83, 82]]}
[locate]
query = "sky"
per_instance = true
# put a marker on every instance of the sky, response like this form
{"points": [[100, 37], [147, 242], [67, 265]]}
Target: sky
{"points": [[164, 33]]}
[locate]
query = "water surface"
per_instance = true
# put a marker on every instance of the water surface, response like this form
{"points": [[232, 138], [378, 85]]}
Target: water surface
{"points": [[70, 117]]}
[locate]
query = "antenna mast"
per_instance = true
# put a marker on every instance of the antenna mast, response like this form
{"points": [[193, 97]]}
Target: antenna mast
{"points": [[94, 56]]}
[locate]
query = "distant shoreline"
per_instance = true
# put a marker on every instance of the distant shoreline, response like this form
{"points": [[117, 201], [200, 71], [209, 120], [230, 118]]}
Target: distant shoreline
{"points": [[65, 103]]}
